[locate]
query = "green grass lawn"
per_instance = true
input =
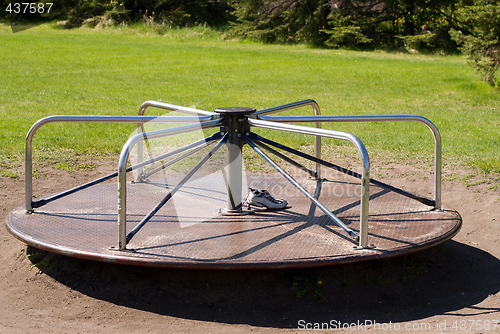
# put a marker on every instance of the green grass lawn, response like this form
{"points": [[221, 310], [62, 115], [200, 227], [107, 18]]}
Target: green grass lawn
{"points": [[45, 71]]}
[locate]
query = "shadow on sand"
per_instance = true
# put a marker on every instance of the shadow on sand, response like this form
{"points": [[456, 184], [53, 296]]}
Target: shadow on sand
{"points": [[436, 281]]}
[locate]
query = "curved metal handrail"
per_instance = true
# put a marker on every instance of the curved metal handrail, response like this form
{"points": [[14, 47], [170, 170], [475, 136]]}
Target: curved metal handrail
{"points": [[365, 179], [173, 107], [296, 105], [28, 146], [122, 168], [170, 107], [381, 118], [288, 106]]}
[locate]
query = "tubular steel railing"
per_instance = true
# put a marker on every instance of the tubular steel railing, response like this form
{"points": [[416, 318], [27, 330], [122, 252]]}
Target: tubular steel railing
{"points": [[164, 106], [296, 105], [122, 168], [201, 119], [365, 179], [28, 148], [380, 118]]}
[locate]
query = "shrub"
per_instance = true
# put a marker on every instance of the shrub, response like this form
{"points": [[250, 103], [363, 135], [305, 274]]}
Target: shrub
{"points": [[422, 43], [349, 36], [479, 38]]}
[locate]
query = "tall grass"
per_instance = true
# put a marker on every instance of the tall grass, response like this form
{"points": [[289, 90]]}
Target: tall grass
{"points": [[45, 71]]}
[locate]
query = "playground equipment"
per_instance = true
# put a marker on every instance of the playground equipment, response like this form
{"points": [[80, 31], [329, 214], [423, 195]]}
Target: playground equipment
{"points": [[182, 219]]}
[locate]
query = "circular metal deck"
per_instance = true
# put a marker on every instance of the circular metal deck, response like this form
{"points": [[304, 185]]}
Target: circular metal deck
{"points": [[190, 233]]}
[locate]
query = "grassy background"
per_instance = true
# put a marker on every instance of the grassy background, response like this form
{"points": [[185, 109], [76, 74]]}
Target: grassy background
{"points": [[45, 71]]}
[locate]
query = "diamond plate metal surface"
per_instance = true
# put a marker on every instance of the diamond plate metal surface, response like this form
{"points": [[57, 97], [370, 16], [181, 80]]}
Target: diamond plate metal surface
{"points": [[189, 232]]}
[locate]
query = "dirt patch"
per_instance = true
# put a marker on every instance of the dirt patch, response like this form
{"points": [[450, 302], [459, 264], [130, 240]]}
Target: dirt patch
{"points": [[442, 289]]}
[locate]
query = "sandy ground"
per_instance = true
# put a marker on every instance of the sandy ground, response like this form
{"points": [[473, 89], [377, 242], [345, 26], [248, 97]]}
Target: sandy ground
{"points": [[452, 288]]}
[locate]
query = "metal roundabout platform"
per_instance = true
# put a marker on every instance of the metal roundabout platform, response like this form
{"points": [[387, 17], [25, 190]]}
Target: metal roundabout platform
{"points": [[200, 220]]}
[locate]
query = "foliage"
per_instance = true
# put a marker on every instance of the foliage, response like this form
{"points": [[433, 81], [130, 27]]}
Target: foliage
{"points": [[480, 38], [9, 174], [348, 36], [284, 21], [172, 12], [73, 11], [181, 13], [421, 25], [421, 42], [349, 23]]}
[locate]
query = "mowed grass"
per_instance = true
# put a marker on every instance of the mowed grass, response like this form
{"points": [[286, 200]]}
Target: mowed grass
{"points": [[45, 71]]}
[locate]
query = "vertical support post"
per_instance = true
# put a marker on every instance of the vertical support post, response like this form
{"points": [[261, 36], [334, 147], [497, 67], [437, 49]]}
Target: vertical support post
{"points": [[365, 198], [234, 123], [122, 199], [28, 172], [317, 141], [438, 164], [234, 176], [140, 154]]}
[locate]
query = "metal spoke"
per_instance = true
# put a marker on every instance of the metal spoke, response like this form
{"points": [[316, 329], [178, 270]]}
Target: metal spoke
{"points": [[176, 188], [260, 139], [285, 158], [41, 202], [195, 147], [302, 190]]}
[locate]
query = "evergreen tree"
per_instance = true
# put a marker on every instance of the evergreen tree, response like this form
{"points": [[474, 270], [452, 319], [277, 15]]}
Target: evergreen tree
{"points": [[479, 37], [282, 21], [422, 24]]}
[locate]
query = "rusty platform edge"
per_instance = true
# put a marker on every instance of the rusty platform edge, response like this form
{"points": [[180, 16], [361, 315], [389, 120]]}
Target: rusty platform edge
{"points": [[150, 261]]}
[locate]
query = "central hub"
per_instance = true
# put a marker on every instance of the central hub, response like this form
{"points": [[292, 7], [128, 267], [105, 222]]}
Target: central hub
{"points": [[235, 122], [235, 110]]}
